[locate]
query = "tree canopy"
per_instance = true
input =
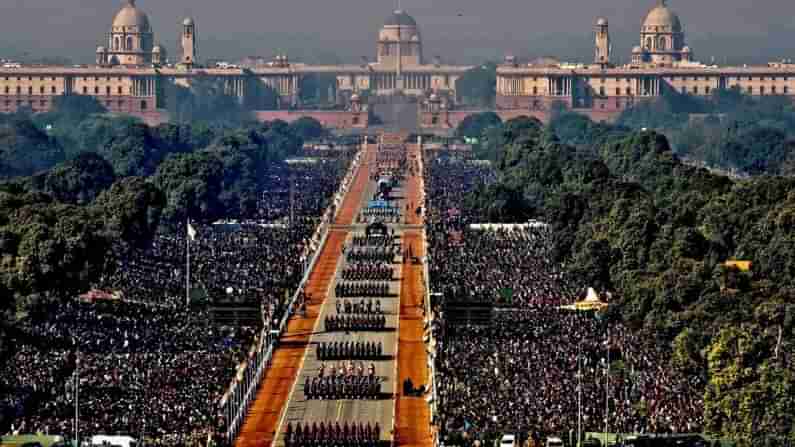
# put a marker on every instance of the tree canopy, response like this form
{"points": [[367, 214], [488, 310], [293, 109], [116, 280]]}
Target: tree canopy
{"points": [[631, 218], [477, 87]]}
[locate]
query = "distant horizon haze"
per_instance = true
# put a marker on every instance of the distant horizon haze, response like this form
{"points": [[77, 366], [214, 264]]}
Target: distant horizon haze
{"points": [[459, 31]]}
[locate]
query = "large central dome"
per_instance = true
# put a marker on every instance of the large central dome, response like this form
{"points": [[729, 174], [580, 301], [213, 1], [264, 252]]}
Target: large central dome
{"points": [[661, 18], [129, 15], [400, 18]]}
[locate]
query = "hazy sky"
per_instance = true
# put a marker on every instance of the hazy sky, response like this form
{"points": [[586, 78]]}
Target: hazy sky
{"points": [[325, 30]]}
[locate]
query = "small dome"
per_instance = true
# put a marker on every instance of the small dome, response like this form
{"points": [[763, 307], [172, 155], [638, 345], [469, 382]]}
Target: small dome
{"points": [[157, 49], [434, 97], [188, 21], [400, 18], [662, 18], [637, 49], [355, 97], [129, 15], [686, 49], [601, 21], [101, 49]]}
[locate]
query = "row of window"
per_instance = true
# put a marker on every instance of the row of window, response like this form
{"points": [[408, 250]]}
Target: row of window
{"points": [[697, 78], [30, 78], [118, 43], [119, 91], [53, 78], [694, 90], [7, 90], [43, 103], [53, 90]]}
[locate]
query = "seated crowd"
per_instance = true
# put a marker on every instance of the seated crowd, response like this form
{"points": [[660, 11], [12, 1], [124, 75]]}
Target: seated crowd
{"points": [[147, 365], [520, 365]]}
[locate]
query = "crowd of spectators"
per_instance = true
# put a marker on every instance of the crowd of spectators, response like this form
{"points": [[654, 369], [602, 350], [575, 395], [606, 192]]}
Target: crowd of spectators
{"points": [[517, 371], [147, 365], [242, 259], [142, 371]]}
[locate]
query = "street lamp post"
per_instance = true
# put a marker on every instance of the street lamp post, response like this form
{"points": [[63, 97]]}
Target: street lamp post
{"points": [[77, 392], [607, 383], [579, 394]]}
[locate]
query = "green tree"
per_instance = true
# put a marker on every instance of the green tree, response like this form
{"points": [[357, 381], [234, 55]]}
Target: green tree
{"points": [[77, 181], [477, 87], [25, 149], [749, 396], [473, 126], [307, 128], [131, 210]]}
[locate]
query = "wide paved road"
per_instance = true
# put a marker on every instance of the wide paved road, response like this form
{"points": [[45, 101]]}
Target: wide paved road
{"points": [[413, 417], [281, 400]]}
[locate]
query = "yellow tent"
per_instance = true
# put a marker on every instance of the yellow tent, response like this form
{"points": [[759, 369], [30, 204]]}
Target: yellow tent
{"points": [[591, 302], [742, 266]]}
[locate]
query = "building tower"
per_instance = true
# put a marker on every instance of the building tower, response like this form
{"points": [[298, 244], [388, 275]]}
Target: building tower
{"points": [[188, 42], [399, 41], [130, 40], [102, 55], [602, 42], [159, 56], [661, 36]]}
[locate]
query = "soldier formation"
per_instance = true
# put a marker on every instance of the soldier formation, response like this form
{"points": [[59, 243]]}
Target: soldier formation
{"points": [[350, 350], [345, 381], [355, 323], [369, 289], [332, 434], [368, 272]]}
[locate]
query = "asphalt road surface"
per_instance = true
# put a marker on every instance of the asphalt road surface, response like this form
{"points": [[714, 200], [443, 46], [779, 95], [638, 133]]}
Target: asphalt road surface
{"points": [[380, 410]]}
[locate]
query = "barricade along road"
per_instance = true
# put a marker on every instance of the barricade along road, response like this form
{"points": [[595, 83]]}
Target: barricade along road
{"points": [[412, 414], [263, 418]]}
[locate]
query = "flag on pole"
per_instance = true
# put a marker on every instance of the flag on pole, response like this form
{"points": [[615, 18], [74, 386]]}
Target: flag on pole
{"points": [[507, 295], [191, 232]]}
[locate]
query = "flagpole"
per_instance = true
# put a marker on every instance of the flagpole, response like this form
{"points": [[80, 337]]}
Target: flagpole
{"points": [[607, 384], [187, 276], [579, 394], [77, 394]]}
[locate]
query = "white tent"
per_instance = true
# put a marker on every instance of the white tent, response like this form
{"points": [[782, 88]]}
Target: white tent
{"points": [[591, 302]]}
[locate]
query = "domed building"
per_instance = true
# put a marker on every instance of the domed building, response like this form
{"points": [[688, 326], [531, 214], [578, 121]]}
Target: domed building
{"points": [[662, 39], [130, 40], [399, 38]]}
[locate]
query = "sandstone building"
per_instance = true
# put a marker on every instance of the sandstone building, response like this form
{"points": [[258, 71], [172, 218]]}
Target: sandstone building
{"points": [[661, 62], [132, 70]]}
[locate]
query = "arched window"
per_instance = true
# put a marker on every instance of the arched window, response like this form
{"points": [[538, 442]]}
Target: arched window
{"points": [[662, 44], [648, 43], [116, 44], [129, 43]]}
